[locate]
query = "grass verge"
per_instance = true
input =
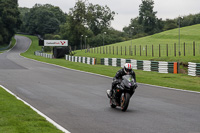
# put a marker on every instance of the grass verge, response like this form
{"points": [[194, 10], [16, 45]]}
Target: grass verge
{"points": [[187, 35], [13, 41], [179, 81], [16, 117]]}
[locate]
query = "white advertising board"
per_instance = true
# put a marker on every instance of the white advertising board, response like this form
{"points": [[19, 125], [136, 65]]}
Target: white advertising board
{"points": [[55, 42]]}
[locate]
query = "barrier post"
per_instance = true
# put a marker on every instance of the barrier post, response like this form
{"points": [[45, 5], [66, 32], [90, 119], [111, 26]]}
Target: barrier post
{"points": [[194, 48], [175, 67], [152, 51]]}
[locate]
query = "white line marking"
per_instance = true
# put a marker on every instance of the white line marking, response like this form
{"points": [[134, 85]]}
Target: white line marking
{"points": [[171, 88], [40, 113]]}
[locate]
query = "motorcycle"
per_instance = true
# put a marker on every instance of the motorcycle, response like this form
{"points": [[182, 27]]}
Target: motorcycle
{"points": [[122, 93]]}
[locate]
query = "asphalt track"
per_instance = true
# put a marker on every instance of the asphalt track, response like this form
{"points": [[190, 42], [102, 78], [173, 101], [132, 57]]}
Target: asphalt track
{"points": [[78, 102]]}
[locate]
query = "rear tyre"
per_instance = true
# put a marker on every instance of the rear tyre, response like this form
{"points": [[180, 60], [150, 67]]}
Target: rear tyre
{"points": [[125, 98]]}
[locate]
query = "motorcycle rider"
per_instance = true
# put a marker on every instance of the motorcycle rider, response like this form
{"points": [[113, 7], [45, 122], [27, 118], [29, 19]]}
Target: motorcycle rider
{"points": [[126, 70]]}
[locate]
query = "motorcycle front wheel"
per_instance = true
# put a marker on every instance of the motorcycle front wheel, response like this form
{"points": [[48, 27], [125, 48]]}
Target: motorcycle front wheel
{"points": [[125, 98], [111, 104]]}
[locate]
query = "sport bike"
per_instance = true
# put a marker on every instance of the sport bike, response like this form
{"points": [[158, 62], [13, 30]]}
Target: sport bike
{"points": [[122, 92]]}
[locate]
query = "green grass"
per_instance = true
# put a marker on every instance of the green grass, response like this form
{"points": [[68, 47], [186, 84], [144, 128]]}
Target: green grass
{"points": [[188, 35], [13, 41], [16, 117], [179, 81]]}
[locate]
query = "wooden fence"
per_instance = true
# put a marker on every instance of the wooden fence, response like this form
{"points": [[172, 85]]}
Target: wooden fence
{"points": [[185, 49]]}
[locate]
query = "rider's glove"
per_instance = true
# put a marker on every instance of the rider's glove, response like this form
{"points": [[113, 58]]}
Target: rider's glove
{"points": [[116, 81]]}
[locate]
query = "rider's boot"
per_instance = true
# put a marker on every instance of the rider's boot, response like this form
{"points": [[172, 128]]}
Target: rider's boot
{"points": [[111, 92]]}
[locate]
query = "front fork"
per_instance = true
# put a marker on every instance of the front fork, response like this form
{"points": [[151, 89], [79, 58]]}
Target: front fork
{"points": [[122, 99]]}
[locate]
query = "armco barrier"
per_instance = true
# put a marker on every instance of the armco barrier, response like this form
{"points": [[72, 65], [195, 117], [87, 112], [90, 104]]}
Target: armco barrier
{"points": [[87, 60], [157, 66], [193, 69], [38, 53]]}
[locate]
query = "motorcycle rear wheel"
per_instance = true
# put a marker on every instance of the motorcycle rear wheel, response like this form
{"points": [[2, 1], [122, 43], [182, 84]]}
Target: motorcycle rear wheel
{"points": [[125, 98]]}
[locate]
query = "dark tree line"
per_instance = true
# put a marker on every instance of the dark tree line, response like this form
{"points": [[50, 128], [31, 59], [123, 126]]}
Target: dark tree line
{"points": [[85, 23], [9, 20], [42, 19]]}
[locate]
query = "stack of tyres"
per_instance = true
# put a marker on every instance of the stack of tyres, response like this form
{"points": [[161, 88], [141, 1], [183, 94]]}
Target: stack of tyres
{"points": [[198, 69], [139, 64], [170, 67], [154, 66], [119, 62]]}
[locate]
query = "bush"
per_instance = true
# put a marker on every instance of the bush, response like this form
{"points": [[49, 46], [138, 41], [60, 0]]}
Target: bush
{"points": [[52, 37], [48, 36], [47, 49], [57, 37]]}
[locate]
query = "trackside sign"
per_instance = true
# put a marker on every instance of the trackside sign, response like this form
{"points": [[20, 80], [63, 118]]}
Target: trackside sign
{"points": [[55, 42]]}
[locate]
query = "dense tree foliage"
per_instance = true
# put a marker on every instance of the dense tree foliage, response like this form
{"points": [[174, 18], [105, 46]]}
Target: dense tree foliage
{"points": [[86, 19], [42, 19], [170, 24], [99, 18], [23, 17], [74, 26], [9, 20], [147, 17]]}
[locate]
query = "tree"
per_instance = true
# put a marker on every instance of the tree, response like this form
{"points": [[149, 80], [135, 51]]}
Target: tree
{"points": [[9, 20], [147, 17], [23, 13], [146, 23], [99, 18], [170, 24], [77, 23], [86, 19], [133, 28], [43, 19], [196, 19]]}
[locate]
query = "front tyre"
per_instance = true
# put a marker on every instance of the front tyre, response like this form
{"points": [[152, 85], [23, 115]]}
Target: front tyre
{"points": [[125, 98], [111, 104]]}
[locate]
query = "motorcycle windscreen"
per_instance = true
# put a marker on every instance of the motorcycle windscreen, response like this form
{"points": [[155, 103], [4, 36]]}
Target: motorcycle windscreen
{"points": [[128, 80]]}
